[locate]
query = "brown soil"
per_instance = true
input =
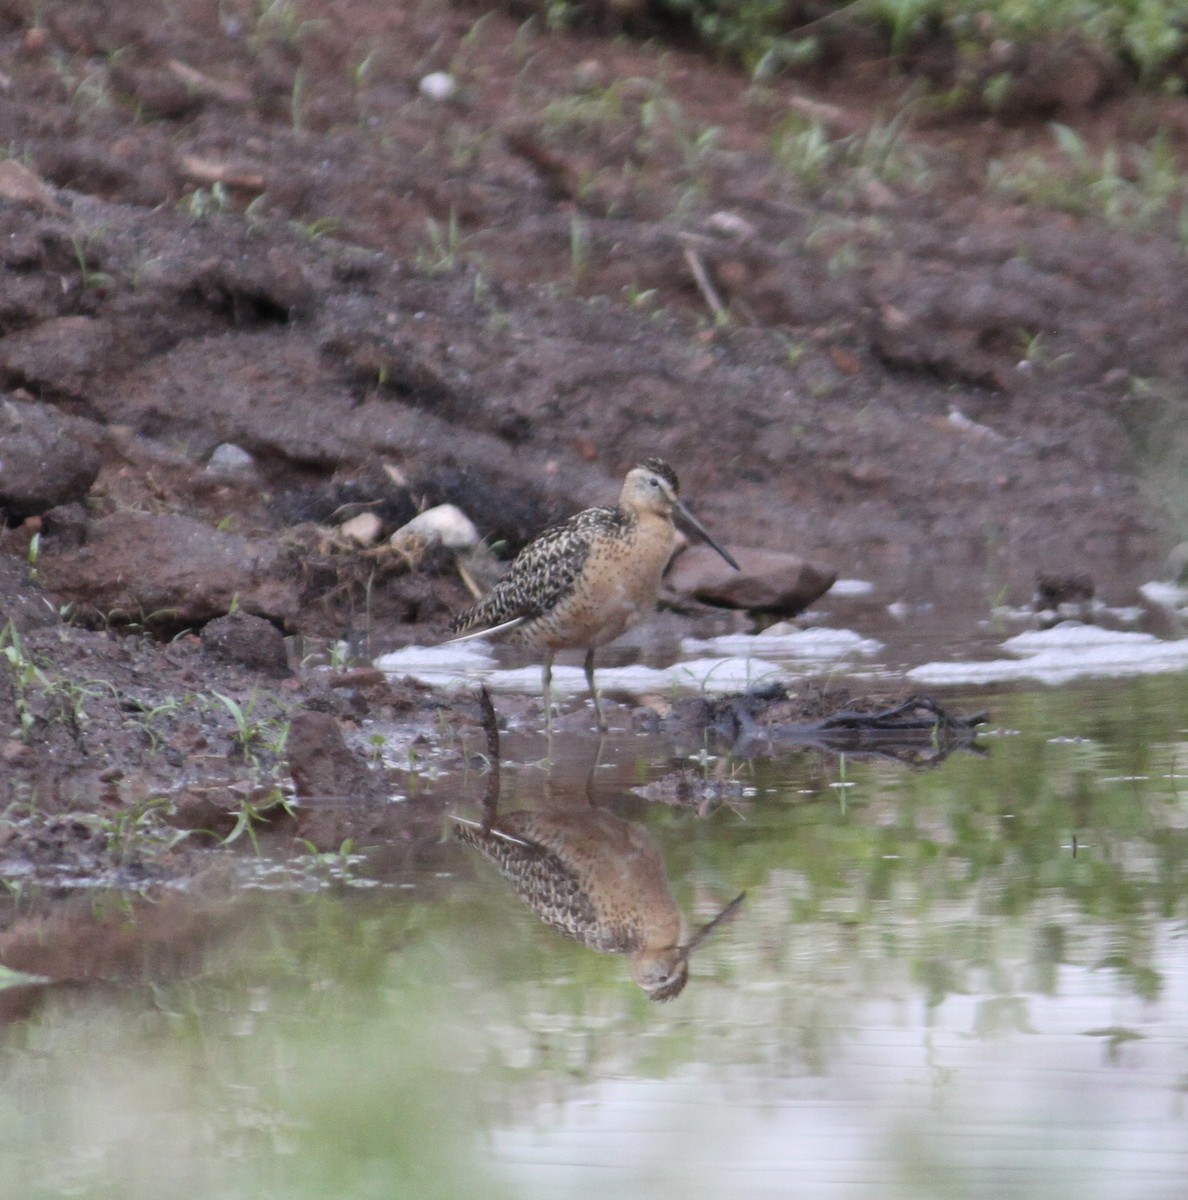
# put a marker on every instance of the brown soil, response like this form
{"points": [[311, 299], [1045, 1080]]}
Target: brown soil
{"points": [[242, 223]]}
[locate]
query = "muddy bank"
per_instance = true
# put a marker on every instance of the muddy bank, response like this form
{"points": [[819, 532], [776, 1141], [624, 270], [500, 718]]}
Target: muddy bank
{"points": [[370, 292], [256, 282]]}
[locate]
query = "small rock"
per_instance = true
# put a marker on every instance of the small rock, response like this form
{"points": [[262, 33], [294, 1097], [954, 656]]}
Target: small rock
{"points": [[589, 75], [446, 525], [172, 570], [230, 459], [359, 677], [730, 223], [1051, 590], [20, 185], [323, 766], [958, 420], [64, 355], [438, 85], [41, 464], [35, 40], [363, 529], [65, 525], [14, 752], [1176, 568], [253, 641], [770, 580]]}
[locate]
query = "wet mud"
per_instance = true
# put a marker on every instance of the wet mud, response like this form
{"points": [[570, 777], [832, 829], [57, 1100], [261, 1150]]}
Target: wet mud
{"points": [[256, 283]]}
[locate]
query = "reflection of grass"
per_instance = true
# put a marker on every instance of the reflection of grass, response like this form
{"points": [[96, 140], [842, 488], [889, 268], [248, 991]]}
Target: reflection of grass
{"points": [[302, 1066], [991, 835], [369, 1046]]}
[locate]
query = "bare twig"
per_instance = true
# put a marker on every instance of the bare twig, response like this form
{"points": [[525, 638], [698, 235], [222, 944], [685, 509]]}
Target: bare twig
{"points": [[207, 171], [703, 281]]}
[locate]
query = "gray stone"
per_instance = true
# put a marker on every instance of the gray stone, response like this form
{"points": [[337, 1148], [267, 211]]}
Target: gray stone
{"points": [[439, 86], [771, 581]]}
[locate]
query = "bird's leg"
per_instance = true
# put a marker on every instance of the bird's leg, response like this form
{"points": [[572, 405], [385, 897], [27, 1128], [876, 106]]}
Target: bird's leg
{"points": [[547, 680], [594, 690], [491, 730]]}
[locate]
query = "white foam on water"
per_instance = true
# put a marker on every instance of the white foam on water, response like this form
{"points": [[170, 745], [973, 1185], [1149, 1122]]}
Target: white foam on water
{"points": [[721, 674], [819, 644], [440, 665], [851, 587], [731, 663], [1166, 595], [1065, 652]]}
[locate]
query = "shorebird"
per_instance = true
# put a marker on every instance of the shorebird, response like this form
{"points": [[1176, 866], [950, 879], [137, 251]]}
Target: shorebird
{"points": [[599, 880], [582, 583], [591, 875]]}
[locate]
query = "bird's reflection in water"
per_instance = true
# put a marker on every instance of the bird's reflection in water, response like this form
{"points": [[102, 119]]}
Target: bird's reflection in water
{"points": [[594, 877]]}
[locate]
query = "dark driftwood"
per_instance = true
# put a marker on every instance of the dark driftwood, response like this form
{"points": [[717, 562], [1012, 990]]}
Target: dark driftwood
{"points": [[768, 720]]}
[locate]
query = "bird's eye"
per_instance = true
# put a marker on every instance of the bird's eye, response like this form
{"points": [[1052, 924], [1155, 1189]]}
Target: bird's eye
{"points": [[654, 482]]}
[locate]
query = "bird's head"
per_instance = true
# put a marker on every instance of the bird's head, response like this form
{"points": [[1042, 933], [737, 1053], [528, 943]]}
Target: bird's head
{"points": [[661, 973], [652, 487]]}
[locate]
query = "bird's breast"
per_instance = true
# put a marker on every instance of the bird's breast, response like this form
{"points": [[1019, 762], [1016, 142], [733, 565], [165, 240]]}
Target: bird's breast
{"points": [[616, 589]]}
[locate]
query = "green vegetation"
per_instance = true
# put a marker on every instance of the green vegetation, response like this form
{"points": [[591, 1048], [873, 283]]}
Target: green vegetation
{"points": [[806, 153], [255, 736], [39, 696], [445, 246], [132, 831], [203, 203], [23, 676], [1134, 187], [91, 276], [256, 810], [1148, 37], [281, 20]]}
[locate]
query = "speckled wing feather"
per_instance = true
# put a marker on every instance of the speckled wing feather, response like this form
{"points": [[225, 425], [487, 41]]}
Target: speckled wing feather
{"points": [[549, 886], [544, 572]]}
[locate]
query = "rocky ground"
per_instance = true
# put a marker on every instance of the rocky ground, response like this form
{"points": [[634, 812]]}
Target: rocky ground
{"points": [[266, 267]]}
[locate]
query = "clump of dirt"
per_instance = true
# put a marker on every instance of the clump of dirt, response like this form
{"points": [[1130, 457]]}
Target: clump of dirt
{"points": [[256, 281]]}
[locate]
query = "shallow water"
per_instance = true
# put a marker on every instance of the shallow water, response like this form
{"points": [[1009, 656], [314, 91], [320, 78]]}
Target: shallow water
{"points": [[965, 981], [963, 642]]}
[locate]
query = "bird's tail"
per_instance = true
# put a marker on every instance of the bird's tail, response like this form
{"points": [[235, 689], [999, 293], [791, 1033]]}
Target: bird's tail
{"points": [[475, 832], [488, 631]]}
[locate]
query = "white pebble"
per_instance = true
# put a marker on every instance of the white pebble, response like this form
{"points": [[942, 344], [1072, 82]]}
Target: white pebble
{"points": [[362, 529], [439, 85], [230, 459], [446, 524]]}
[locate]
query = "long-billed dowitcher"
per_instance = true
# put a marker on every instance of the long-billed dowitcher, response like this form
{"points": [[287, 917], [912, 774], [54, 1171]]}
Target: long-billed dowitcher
{"points": [[582, 583]]}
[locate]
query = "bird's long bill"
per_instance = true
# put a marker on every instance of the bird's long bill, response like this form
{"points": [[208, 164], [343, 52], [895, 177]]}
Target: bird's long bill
{"points": [[704, 534], [704, 932]]}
